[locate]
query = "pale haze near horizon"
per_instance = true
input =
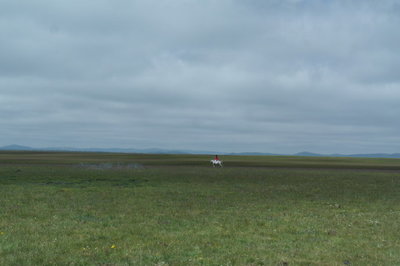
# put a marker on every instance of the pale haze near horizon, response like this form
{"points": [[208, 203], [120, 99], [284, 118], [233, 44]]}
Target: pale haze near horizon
{"points": [[231, 76]]}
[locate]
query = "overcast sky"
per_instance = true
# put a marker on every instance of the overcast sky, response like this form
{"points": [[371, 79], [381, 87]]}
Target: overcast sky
{"points": [[278, 76]]}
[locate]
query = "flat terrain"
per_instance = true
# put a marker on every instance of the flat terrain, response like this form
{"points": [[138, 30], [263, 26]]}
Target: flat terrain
{"points": [[136, 209]]}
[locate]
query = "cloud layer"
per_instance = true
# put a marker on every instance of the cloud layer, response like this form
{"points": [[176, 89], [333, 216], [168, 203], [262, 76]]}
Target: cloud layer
{"points": [[270, 76]]}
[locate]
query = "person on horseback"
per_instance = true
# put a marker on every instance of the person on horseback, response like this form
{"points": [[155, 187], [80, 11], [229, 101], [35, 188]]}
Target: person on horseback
{"points": [[216, 161]]}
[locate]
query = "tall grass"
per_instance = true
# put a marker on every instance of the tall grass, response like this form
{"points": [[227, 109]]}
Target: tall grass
{"points": [[63, 214]]}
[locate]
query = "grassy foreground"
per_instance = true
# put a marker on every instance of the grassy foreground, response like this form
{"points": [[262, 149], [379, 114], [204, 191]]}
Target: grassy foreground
{"points": [[119, 209]]}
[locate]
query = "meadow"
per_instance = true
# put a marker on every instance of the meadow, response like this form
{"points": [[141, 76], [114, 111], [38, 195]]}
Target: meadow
{"points": [[59, 208]]}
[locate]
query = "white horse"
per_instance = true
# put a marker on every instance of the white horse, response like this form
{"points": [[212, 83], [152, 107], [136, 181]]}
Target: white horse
{"points": [[216, 163]]}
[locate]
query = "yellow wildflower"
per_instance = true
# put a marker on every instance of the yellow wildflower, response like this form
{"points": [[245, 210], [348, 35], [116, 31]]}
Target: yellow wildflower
{"points": [[113, 246]]}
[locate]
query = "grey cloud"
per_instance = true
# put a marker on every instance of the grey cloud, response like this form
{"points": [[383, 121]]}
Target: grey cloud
{"points": [[272, 76]]}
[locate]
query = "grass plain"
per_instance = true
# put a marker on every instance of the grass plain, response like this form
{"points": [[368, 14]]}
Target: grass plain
{"points": [[60, 208]]}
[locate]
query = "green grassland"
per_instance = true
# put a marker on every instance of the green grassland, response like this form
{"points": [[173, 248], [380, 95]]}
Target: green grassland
{"points": [[135, 209]]}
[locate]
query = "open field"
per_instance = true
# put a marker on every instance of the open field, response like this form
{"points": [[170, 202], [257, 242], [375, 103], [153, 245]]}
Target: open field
{"points": [[132, 209]]}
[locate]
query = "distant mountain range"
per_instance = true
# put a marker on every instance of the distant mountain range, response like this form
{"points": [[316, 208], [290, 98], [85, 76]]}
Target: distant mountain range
{"points": [[15, 147], [116, 150]]}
